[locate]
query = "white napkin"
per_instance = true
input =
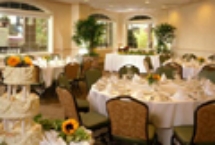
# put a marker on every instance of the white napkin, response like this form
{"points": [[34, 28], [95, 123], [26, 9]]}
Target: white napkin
{"points": [[136, 78], [52, 63], [51, 138], [163, 78], [208, 88], [109, 88], [180, 95], [68, 59]]}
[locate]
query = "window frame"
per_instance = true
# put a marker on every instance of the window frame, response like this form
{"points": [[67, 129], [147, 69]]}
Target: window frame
{"points": [[34, 14]]}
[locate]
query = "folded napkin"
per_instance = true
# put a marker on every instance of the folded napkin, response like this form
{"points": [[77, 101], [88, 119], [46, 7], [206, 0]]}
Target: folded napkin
{"points": [[109, 88], [208, 87], [163, 78], [180, 95], [51, 138], [136, 78]]}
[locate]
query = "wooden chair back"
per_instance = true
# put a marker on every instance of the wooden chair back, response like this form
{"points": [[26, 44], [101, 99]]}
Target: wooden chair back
{"points": [[128, 117], [72, 70], [204, 124], [68, 102]]}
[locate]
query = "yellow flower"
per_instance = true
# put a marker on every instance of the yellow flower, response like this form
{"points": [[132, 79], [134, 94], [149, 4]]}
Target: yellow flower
{"points": [[27, 60], [13, 61], [69, 126]]}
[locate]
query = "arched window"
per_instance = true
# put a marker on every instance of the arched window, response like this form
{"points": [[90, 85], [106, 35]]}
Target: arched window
{"points": [[23, 27], [139, 30], [106, 41]]}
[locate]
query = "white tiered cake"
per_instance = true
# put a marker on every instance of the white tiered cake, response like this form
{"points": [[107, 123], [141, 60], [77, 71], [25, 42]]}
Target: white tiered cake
{"points": [[18, 109]]}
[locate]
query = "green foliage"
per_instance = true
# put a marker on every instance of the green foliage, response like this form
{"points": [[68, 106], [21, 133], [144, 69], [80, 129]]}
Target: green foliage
{"points": [[88, 32], [48, 124], [164, 34], [41, 32], [79, 135], [138, 52], [3, 143]]}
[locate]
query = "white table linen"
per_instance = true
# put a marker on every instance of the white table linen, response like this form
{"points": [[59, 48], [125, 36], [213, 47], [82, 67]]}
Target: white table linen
{"points": [[165, 110], [52, 138], [50, 70], [113, 62]]}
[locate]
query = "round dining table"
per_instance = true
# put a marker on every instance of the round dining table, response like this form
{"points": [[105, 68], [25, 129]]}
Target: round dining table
{"points": [[171, 102]]}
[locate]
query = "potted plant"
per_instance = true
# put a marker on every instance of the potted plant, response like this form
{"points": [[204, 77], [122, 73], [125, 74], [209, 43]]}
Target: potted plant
{"points": [[164, 34], [88, 33], [5, 21]]}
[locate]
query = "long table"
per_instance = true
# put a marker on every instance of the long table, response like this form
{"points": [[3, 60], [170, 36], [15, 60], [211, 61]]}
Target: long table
{"points": [[114, 61]]}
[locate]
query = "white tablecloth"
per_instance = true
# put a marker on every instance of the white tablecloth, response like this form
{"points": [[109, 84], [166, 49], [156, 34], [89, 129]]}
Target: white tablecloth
{"points": [[51, 73], [113, 62], [163, 114]]}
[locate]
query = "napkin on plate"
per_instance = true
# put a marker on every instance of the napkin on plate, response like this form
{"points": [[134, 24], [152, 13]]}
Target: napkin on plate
{"points": [[180, 95], [163, 78], [136, 78], [208, 88]]}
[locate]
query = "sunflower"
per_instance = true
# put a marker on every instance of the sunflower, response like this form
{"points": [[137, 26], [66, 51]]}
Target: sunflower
{"points": [[13, 61], [69, 126], [27, 60]]}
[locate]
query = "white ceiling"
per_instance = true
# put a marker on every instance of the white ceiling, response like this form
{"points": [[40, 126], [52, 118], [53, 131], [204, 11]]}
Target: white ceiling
{"points": [[131, 5]]}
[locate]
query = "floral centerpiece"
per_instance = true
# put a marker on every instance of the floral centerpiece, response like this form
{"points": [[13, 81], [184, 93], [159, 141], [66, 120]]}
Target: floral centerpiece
{"points": [[47, 57], [18, 61], [153, 78], [69, 130], [201, 60]]}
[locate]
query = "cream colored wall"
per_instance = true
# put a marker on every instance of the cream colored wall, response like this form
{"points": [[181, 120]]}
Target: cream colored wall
{"points": [[195, 25]]}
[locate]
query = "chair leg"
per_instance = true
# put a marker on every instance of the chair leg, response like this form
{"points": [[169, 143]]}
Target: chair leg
{"points": [[172, 140]]}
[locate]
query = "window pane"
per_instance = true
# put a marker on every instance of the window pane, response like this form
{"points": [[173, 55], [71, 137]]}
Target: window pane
{"points": [[25, 34]]}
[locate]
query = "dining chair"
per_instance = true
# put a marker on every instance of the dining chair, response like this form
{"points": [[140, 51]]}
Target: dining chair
{"points": [[169, 73], [208, 72], [82, 104], [38, 87], [86, 65], [211, 57], [203, 130], [164, 57], [177, 68], [91, 120], [148, 64], [189, 56], [128, 69], [92, 76], [72, 72], [129, 121]]}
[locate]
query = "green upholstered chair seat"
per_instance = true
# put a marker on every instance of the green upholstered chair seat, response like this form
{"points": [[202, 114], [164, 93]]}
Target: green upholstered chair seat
{"points": [[208, 75], [93, 120], [184, 133], [167, 71], [151, 134], [82, 104]]}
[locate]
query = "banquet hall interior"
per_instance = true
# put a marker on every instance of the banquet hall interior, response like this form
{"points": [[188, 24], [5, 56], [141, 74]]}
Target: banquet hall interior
{"points": [[128, 71]]}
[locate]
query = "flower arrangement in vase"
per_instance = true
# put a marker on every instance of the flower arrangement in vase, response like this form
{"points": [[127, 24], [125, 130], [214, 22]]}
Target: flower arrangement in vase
{"points": [[18, 61], [153, 78]]}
